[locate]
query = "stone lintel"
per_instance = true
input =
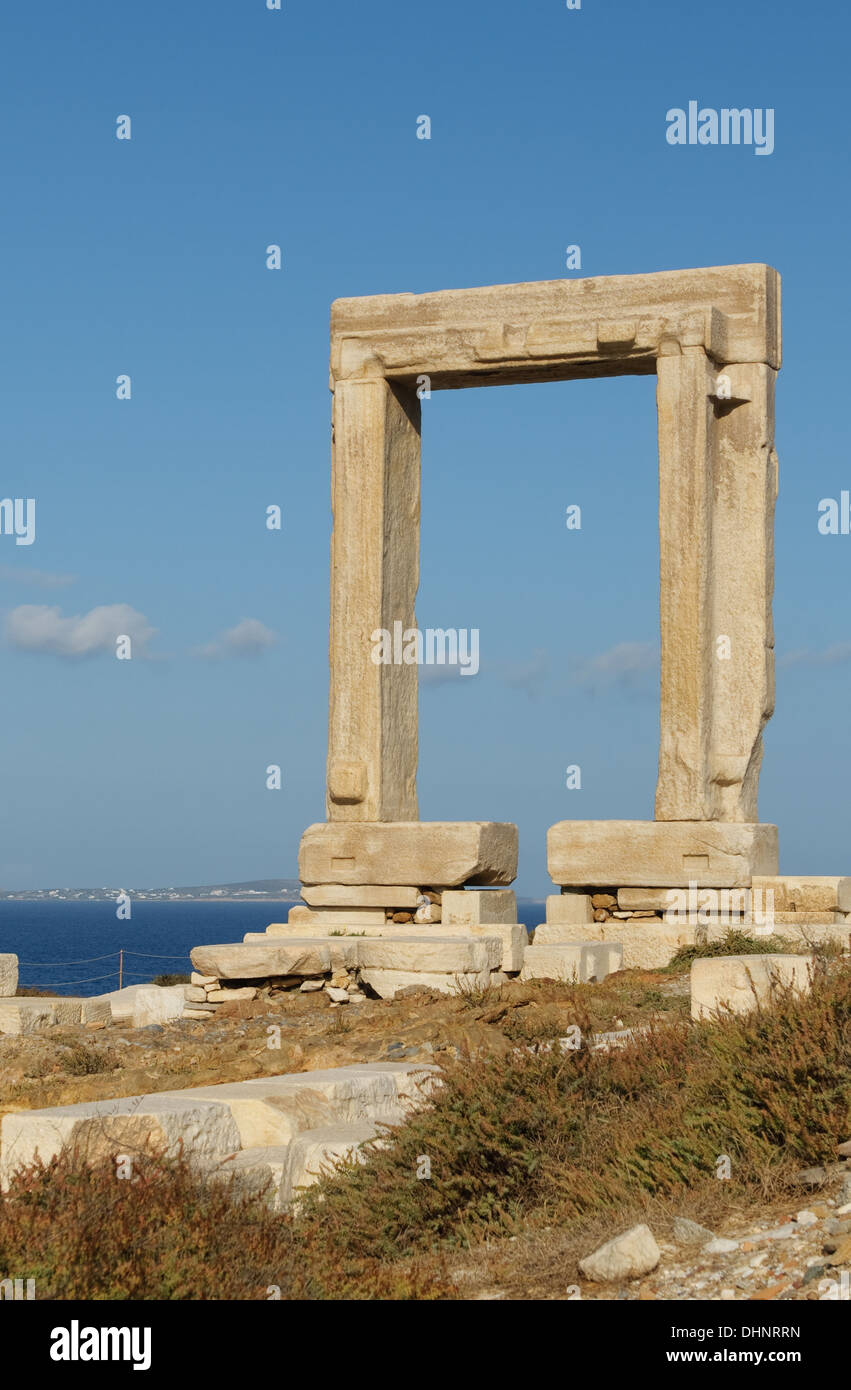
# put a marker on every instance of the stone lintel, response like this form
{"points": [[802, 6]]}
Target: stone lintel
{"points": [[660, 854], [555, 329]]}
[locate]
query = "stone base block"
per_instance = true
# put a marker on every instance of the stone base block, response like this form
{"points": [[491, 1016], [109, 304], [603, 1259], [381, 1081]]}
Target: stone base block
{"points": [[742, 983], [660, 854], [646, 945], [387, 983], [572, 961], [471, 908], [8, 976], [446, 853], [576, 908]]}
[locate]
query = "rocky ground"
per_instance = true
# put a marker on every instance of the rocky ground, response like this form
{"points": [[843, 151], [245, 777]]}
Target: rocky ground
{"points": [[768, 1251]]}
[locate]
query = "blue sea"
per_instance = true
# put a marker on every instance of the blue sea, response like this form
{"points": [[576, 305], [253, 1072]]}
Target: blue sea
{"points": [[73, 947]]}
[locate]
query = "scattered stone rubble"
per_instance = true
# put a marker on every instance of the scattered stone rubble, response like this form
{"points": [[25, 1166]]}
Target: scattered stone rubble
{"points": [[807, 1255], [451, 941]]}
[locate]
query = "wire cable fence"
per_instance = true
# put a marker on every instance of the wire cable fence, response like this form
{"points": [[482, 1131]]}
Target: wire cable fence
{"points": [[119, 973]]}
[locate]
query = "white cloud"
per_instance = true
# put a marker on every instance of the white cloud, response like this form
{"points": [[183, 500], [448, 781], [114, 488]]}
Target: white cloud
{"points": [[831, 656], [248, 638], [625, 665], [35, 627], [39, 579]]}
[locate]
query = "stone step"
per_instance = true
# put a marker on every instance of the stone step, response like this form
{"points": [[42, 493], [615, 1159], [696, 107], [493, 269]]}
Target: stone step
{"points": [[279, 1172], [214, 1125], [578, 961], [181, 1122], [271, 1110]]}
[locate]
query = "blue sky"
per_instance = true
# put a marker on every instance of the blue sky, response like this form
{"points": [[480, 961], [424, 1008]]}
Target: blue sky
{"points": [[147, 257]]}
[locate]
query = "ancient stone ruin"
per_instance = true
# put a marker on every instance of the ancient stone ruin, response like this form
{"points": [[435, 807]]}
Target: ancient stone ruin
{"points": [[436, 891]]}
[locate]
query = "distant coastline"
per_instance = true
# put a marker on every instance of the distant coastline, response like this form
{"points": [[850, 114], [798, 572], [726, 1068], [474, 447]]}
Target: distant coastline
{"points": [[252, 891]]}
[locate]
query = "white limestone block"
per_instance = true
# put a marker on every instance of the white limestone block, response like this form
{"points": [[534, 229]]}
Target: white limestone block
{"points": [[638, 854], [446, 853], [444, 954], [166, 1124], [387, 983], [473, 907], [741, 983], [578, 961], [575, 908], [246, 960], [8, 976], [399, 898], [271, 1110], [26, 1015]]}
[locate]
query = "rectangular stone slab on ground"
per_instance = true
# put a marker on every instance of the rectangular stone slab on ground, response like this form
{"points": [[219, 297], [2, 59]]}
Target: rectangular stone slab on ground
{"points": [[740, 983], [660, 854], [271, 1110], [104, 1128], [23, 1016], [445, 853], [281, 1171], [32, 1015]]}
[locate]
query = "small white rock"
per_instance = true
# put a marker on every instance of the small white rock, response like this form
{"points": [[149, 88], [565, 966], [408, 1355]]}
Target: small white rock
{"points": [[628, 1256], [806, 1218], [337, 996], [308, 986]]}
